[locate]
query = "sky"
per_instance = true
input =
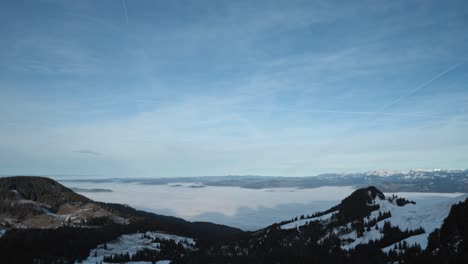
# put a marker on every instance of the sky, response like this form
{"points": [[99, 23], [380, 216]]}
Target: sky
{"points": [[198, 88]]}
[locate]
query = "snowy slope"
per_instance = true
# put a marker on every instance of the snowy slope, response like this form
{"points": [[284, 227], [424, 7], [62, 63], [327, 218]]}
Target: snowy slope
{"points": [[302, 222], [423, 210], [134, 242], [427, 215]]}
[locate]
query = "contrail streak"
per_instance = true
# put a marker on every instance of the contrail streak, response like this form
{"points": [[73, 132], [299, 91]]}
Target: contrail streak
{"points": [[124, 5], [325, 149], [365, 113], [453, 67]]}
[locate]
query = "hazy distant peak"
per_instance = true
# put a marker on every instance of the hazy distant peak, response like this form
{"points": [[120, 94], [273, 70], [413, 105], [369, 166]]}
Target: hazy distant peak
{"points": [[384, 173]]}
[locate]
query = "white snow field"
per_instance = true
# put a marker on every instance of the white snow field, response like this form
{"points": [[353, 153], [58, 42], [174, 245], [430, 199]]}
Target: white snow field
{"points": [[132, 243], [429, 213]]}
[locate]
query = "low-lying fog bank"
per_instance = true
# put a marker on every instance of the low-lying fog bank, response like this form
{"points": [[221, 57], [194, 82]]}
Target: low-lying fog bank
{"points": [[248, 209]]}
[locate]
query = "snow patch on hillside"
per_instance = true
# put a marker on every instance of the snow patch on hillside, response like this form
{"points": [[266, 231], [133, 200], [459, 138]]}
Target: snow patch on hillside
{"points": [[364, 239], [383, 173], [418, 239], [412, 216], [2, 231], [133, 243]]}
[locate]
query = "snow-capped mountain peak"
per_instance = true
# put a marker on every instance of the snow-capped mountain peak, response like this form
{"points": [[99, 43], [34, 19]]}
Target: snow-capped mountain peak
{"points": [[383, 173]]}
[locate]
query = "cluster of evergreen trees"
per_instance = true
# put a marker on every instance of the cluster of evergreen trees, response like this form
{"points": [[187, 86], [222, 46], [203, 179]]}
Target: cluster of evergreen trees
{"points": [[400, 201], [372, 222], [392, 234], [98, 221], [20, 211], [118, 258]]}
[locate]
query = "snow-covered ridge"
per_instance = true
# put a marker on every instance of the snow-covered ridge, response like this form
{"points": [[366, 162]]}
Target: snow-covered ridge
{"points": [[386, 173], [415, 220], [427, 216], [133, 243], [383, 173], [402, 175]]}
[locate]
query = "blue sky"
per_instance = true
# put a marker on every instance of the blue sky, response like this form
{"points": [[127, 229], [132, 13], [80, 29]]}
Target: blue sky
{"points": [[191, 88]]}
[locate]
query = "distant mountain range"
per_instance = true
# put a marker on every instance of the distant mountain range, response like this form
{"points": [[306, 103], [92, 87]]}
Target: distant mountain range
{"points": [[387, 181], [42, 221]]}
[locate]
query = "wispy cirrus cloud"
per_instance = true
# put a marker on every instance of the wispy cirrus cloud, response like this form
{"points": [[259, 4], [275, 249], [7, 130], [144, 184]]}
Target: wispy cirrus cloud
{"points": [[87, 152], [283, 87]]}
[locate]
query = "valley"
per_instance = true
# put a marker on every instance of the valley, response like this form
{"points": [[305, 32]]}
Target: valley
{"points": [[383, 226], [240, 206]]}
